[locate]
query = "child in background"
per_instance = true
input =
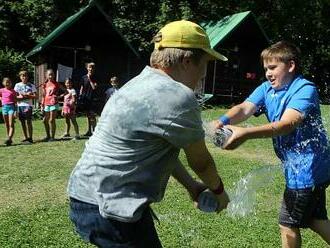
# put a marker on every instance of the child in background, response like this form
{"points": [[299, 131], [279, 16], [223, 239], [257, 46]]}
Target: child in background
{"points": [[88, 88], [115, 85], [8, 101], [69, 109], [26, 93], [50, 105]]}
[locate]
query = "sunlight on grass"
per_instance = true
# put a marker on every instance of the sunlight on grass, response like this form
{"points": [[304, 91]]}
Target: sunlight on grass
{"points": [[34, 206]]}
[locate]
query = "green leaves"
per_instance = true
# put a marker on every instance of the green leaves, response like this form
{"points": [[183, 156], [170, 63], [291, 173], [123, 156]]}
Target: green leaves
{"points": [[306, 23], [11, 62]]}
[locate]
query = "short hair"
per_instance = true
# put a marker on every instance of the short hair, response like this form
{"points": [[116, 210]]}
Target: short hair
{"points": [[92, 64], [21, 73], [283, 51], [50, 70], [68, 79], [6, 79], [114, 78], [168, 57]]}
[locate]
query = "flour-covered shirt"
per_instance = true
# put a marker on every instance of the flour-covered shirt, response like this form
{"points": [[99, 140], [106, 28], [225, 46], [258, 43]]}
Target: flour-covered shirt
{"points": [[127, 162]]}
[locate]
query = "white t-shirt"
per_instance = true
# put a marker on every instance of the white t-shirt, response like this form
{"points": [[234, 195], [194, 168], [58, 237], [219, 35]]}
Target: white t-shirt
{"points": [[22, 88]]}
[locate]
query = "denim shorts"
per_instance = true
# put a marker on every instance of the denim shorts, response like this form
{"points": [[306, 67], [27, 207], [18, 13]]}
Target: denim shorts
{"points": [[49, 108], [301, 206], [24, 113], [102, 232], [8, 109]]}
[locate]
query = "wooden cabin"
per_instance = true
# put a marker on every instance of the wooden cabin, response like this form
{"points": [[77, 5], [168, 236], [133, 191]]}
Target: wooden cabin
{"points": [[241, 39], [87, 36]]}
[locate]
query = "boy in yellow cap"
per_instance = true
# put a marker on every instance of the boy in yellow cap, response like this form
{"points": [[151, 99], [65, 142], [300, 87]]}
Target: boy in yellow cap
{"points": [[134, 150]]}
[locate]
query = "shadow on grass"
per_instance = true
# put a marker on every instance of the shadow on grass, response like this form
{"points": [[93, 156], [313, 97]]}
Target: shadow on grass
{"points": [[64, 139]]}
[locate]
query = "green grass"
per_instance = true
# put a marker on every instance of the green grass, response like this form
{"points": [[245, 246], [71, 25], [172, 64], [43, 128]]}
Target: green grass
{"points": [[34, 205]]}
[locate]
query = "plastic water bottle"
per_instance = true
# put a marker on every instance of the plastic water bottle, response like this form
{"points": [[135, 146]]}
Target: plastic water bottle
{"points": [[207, 201], [221, 136]]}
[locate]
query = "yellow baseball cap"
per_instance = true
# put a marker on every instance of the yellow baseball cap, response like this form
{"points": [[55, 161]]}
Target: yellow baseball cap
{"points": [[185, 34]]}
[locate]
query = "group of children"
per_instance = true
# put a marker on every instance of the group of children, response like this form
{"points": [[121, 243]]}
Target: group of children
{"points": [[17, 101]]}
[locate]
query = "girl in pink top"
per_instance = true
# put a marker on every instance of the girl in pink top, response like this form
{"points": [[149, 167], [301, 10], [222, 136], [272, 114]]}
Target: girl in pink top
{"points": [[8, 101], [50, 105], [69, 109]]}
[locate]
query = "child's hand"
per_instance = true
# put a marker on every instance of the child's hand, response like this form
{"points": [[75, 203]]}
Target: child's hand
{"points": [[236, 139], [223, 200], [218, 124], [195, 190]]}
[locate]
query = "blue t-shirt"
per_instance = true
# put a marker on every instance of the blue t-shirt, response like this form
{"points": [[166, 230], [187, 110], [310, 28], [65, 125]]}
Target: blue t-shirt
{"points": [[304, 152], [109, 92]]}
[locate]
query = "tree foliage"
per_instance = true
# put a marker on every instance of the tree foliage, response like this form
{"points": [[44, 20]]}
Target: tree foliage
{"points": [[11, 62], [25, 22]]}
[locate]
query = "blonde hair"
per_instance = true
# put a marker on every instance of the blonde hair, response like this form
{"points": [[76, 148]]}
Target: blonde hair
{"points": [[168, 57], [23, 73], [282, 51], [6, 79], [50, 70]]}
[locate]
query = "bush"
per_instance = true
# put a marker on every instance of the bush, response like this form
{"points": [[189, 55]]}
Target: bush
{"points": [[11, 62]]}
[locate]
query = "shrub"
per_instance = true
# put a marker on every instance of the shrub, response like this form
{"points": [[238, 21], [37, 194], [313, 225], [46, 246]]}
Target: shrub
{"points": [[11, 62]]}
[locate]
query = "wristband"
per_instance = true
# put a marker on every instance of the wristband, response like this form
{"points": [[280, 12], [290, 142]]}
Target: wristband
{"points": [[219, 190], [224, 119]]}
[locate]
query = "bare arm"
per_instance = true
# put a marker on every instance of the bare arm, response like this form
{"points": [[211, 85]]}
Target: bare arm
{"points": [[74, 98], [202, 163], [32, 95], [289, 121], [193, 187], [81, 90], [93, 85], [239, 113]]}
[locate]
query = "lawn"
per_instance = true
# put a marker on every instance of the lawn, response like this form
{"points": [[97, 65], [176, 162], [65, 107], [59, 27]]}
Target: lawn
{"points": [[34, 205]]}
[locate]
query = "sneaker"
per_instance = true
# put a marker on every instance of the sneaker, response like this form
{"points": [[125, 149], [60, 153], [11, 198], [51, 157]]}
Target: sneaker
{"points": [[8, 142], [51, 140], [88, 134], [27, 141], [66, 135], [46, 139], [77, 137]]}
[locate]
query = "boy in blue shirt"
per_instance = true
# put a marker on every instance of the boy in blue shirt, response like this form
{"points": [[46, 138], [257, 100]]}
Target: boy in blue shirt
{"points": [[291, 105]]}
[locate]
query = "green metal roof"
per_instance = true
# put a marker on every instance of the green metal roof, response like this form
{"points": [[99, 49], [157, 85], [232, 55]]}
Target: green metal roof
{"points": [[67, 24], [59, 30], [218, 30]]}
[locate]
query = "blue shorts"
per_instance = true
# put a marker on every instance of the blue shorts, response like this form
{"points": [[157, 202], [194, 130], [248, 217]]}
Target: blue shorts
{"points": [[301, 206], [8, 109], [50, 108], [24, 113], [102, 232]]}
